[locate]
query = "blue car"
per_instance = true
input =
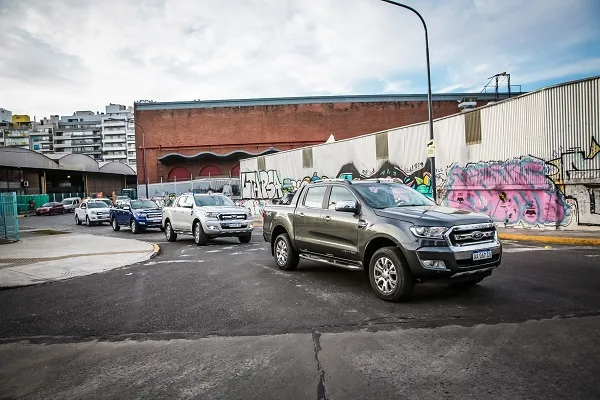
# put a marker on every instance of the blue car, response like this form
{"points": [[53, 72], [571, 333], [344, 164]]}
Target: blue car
{"points": [[138, 215]]}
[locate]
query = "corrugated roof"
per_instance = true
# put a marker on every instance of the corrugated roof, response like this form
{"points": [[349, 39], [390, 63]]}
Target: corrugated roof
{"points": [[275, 101]]}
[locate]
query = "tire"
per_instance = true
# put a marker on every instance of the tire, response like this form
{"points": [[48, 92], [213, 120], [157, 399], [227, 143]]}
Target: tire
{"points": [[77, 220], [135, 228], [389, 275], [87, 221], [285, 256], [115, 225], [170, 233], [200, 236], [245, 238]]}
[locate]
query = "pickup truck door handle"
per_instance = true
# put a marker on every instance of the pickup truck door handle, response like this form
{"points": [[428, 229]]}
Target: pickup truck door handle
{"points": [[362, 223], [301, 215], [327, 218]]}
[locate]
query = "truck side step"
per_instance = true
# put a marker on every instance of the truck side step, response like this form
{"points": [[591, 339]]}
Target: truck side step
{"points": [[331, 261]]}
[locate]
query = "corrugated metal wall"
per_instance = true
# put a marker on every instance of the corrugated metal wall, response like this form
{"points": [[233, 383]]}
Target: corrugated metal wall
{"points": [[538, 162]]}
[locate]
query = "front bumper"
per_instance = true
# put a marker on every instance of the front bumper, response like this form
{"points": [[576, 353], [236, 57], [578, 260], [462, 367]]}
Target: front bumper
{"points": [[99, 218], [215, 227], [146, 223], [458, 263]]}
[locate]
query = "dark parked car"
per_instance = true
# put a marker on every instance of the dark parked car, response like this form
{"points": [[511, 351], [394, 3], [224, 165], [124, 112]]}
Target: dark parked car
{"points": [[396, 235], [51, 208]]}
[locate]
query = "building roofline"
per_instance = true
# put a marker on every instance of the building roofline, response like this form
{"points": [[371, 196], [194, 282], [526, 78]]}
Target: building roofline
{"points": [[276, 101]]}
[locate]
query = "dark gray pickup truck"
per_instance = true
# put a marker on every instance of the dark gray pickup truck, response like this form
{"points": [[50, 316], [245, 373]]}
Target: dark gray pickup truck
{"points": [[395, 234]]}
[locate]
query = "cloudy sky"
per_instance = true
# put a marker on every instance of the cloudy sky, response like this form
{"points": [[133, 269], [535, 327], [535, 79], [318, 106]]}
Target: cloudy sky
{"points": [[61, 55]]}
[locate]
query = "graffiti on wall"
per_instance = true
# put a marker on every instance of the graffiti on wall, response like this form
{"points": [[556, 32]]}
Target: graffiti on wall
{"points": [[577, 174], [267, 184], [419, 179], [261, 185], [516, 191]]}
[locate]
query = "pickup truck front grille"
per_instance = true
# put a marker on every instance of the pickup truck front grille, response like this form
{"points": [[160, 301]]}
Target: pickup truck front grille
{"points": [[232, 217], [154, 215], [472, 235]]}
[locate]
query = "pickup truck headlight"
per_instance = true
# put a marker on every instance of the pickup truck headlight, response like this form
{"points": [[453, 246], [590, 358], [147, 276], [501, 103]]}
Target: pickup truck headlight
{"points": [[92, 212], [139, 215], [429, 232], [212, 215]]}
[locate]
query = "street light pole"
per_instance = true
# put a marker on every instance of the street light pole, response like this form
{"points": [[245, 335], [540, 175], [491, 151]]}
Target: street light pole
{"points": [[429, 102], [143, 148]]}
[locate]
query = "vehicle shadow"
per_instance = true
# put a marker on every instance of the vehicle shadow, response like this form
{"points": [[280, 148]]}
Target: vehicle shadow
{"points": [[429, 292]]}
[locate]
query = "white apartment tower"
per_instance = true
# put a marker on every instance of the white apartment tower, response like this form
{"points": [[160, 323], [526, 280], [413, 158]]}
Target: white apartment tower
{"points": [[118, 134]]}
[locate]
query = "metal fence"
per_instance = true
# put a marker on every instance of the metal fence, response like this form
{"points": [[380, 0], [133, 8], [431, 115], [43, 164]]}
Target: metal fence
{"points": [[30, 202], [9, 221], [227, 186]]}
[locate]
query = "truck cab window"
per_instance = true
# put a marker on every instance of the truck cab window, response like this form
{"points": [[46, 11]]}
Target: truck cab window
{"points": [[339, 194], [314, 197]]}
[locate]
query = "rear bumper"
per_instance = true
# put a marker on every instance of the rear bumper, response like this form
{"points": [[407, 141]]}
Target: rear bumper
{"points": [[458, 263]]}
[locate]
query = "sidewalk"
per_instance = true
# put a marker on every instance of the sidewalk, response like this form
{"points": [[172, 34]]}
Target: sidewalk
{"points": [[582, 238], [48, 258]]}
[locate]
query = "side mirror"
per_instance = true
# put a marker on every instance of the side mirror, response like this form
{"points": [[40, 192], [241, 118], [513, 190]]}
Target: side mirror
{"points": [[347, 206]]}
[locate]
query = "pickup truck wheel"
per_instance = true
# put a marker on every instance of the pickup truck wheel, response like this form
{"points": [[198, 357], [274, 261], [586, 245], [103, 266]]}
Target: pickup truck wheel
{"points": [[245, 238], [200, 237], [134, 227], [389, 276], [87, 221], [77, 220], [170, 233], [115, 225], [285, 255]]}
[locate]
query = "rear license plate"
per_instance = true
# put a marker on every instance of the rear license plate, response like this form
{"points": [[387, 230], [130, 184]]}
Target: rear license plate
{"points": [[235, 225], [482, 255]]}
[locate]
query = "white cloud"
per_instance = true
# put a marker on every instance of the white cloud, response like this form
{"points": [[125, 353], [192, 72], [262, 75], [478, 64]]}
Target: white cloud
{"points": [[63, 55]]}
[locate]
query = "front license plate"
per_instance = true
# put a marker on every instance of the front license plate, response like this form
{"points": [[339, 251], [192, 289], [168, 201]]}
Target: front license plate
{"points": [[234, 225], [482, 255]]}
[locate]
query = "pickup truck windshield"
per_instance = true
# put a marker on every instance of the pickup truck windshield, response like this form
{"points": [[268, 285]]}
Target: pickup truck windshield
{"points": [[141, 204], [203, 201], [99, 204], [386, 195]]}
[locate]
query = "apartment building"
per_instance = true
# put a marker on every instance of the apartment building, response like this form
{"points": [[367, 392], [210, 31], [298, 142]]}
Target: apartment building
{"points": [[41, 136], [118, 134], [80, 133], [107, 136]]}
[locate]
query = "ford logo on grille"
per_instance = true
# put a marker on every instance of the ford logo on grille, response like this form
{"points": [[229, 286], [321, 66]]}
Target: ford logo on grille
{"points": [[477, 235]]}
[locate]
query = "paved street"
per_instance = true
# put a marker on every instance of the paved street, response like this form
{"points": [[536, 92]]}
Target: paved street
{"points": [[223, 322]]}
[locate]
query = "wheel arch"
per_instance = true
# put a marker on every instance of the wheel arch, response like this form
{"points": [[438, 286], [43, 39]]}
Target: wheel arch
{"points": [[377, 243]]}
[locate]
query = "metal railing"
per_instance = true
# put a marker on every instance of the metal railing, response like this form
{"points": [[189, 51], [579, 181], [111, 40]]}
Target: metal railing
{"points": [[9, 220]]}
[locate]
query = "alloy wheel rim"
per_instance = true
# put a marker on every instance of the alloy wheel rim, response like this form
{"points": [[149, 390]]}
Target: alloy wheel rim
{"points": [[197, 233], [133, 226], [385, 275], [168, 231], [281, 252]]}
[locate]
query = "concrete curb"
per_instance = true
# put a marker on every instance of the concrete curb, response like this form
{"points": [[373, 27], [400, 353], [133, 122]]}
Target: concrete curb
{"points": [[577, 241]]}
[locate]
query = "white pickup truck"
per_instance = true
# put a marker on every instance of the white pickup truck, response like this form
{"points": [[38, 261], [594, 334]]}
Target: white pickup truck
{"points": [[206, 216]]}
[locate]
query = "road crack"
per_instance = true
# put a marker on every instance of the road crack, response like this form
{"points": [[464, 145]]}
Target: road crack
{"points": [[321, 391]]}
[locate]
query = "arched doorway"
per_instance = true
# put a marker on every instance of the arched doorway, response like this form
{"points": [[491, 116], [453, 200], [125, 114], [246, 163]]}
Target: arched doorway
{"points": [[235, 171], [179, 174], [210, 170]]}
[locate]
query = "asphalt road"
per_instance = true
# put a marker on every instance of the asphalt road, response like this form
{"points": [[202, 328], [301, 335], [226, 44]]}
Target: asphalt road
{"points": [[222, 321]]}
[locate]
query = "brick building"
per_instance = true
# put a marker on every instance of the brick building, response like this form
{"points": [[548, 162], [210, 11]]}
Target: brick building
{"points": [[208, 138]]}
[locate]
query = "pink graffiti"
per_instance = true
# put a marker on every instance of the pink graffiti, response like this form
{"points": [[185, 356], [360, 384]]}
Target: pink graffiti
{"points": [[515, 191]]}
